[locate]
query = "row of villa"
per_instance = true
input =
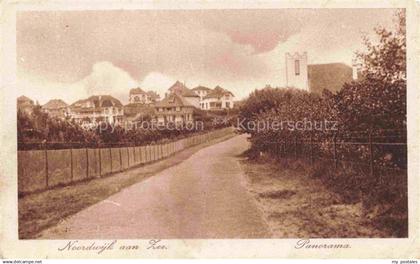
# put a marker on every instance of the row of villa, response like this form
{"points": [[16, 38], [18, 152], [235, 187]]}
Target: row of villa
{"points": [[177, 106]]}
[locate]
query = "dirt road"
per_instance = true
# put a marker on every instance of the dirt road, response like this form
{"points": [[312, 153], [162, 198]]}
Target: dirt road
{"points": [[202, 197]]}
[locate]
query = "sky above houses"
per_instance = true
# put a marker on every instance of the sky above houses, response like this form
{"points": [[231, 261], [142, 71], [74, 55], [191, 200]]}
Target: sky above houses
{"points": [[74, 54]]}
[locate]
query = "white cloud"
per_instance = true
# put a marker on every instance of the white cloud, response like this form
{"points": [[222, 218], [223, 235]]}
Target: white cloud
{"points": [[43, 91], [157, 82], [106, 78]]}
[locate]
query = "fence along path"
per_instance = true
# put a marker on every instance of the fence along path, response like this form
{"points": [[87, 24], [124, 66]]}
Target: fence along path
{"points": [[42, 169], [347, 150]]}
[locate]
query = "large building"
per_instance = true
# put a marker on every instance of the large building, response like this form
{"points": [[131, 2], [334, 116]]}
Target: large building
{"points": [[217, 99], [188, 95], [56, 108], [329, 76], [174, 108], [139, 96], [140, 104], [201, 91], [316, 77], [96, 109]]}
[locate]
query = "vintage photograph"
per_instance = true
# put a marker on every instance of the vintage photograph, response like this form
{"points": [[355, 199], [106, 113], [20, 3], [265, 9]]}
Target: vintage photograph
{"points": [[212, 124]]}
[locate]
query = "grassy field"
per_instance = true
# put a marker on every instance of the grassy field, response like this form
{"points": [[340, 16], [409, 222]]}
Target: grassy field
{"points": [[41, 210], [295, 205]]}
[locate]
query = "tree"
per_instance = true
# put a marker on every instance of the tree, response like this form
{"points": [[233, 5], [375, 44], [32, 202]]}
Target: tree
{"points": [[386, 60], [377, 100]]}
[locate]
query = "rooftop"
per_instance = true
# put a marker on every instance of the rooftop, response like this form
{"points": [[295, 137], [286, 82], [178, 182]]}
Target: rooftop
{"points": [[218, 92], [173, 100], [55, 104], [202, 88], [98, 101], [181, 89], [137, 90]]}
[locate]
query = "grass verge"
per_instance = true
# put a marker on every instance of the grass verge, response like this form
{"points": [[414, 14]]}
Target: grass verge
{"points": [[297, 203]]}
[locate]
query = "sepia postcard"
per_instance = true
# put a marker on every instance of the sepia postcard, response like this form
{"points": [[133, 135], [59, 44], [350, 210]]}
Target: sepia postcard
{"points": [[210, 129]]}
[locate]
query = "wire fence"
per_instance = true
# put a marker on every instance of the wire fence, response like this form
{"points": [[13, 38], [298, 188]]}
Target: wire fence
{"points": [[373, 151]]}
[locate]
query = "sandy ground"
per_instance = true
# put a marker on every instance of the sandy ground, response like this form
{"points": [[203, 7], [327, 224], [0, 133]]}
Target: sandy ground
{"points": [[297, 206], [202, 197]]}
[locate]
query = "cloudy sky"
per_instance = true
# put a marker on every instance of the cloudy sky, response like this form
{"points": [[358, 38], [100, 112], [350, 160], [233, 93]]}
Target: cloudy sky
{"points": [[73, 54]]}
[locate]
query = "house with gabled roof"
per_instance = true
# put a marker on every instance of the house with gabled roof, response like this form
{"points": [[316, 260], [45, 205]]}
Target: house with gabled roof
{"points": [[180, 89], [140, 96], [174, 108], [201, 91], [218, 99], [56, 108], [96, 109]]}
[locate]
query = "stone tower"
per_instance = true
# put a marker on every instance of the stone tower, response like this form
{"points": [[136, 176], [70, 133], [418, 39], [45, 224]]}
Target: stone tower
{"points": [[297, 70]]}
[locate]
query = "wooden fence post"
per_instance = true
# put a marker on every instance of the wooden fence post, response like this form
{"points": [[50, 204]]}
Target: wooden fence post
{"points": [[71, 165], [110, 158], [128, 156], [87, 163], [311, 150], [371, 155], [121, 166], [100, 162], [284, 149], [46, 165], [335, 151]]}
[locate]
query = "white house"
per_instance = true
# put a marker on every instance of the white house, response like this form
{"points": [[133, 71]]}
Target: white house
{"points": [[217, 99], [139, 96], [174, 109], [96, 109], [188, 95], [201, 91]]}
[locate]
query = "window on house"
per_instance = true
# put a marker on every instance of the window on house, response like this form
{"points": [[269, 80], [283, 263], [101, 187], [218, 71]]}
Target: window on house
{"points": [[178, 108], [227, 104], [297, 67]]}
